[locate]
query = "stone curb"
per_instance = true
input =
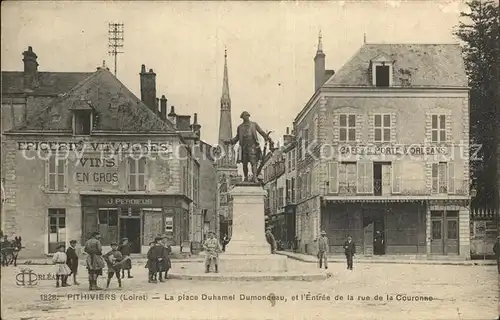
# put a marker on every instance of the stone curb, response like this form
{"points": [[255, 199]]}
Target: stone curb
{"points": [[309, 259], [250, 277]]}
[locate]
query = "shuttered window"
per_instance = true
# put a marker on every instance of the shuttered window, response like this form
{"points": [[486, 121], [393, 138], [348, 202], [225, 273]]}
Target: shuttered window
{"points": [[137, 174], [396, 177], [333, 186], [365, 177]]}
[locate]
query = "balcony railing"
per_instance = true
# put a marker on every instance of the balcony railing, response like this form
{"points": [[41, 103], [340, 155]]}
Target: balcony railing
{"points": [[415, 187]]}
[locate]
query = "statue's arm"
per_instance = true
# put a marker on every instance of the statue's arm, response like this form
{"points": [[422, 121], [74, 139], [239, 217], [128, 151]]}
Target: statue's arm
{"points": [[236, 138], [261, 132]]}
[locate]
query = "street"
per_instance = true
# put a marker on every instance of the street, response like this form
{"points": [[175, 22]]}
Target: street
{"points": [[442, 292]]}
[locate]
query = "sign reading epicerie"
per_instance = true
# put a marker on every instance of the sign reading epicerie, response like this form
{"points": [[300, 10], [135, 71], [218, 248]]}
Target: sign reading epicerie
{"points": [[93, 146], [93, 170]]}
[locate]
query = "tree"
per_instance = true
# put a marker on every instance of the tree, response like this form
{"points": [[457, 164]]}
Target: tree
{"points": [[479, 34]]}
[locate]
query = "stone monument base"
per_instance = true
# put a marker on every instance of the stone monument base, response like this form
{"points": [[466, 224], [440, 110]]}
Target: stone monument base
{"points": [[252, 263]]}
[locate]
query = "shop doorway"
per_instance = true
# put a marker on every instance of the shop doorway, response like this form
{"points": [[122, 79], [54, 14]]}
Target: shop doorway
{"points": [[444, 233], [130, 227]]}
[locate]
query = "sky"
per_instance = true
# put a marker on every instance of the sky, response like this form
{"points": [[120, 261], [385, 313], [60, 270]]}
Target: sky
{"points": [[270, 45]]}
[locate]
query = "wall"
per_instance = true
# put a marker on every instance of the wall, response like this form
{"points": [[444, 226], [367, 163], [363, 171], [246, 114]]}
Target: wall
{"points": [[27, 201]]}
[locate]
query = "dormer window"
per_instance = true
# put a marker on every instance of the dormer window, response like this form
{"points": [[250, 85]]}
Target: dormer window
{"points": [[382, 71], [82, 117], [83, 123]]}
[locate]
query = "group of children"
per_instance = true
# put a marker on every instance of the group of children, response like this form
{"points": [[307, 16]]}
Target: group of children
{"points": [[158, 260], [118, 259]]}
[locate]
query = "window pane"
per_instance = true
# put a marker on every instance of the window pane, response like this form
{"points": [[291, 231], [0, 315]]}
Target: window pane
{"points": [[378, 134], [378, 120], [442, 121], [434, 136], [60, 182], [60, 166], [434, 122], [452, 230], [352, 120], [52, 221], [132, 182], [52, 182], [132, 164], [52, 165], [103, 216], [436, 230], [442, 136], [142, 165], [343, 120], [387, 120], [113, 218], [141, 183], [53, 229], [387, 134], [343, 134], [62, 222], [352, 134]]}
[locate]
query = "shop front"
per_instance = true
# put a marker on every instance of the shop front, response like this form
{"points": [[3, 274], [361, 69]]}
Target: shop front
{"points": [[140, 218]]}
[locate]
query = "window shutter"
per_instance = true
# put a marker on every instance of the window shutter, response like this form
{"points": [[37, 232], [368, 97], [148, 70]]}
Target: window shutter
{"points": [[428, 127], [145, 174], [369, 177], [333, 181], [451, 177], [66, 174], [361, 176], [47, 168], [435, 178], [127, 172], [396, 176]]}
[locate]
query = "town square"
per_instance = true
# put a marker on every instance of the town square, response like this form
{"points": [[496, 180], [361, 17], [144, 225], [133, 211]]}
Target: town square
{"points": [[250, 160]]}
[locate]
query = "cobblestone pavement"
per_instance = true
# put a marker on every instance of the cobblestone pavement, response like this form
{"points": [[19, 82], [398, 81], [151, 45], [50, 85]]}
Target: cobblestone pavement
{"points": [[458, 293]]}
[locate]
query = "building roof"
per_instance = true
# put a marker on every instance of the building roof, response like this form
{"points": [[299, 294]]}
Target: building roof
{"points": [[427, 65], [50, 83], [115, 108]]}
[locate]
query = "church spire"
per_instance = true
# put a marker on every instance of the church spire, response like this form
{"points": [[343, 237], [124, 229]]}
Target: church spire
{"points": [[225, 100], [225, 127]]}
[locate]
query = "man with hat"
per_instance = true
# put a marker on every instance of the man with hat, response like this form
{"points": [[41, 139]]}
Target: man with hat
{"points": [[155, 260], [249, 150], [323, 249], [270, 239], [72, 260], [95, 262], [496, 250], [212, 249], [125, 250]]}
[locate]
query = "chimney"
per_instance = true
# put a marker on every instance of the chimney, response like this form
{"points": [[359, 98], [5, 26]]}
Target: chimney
{"points": [[148, 88], [157, 108], [287, 138], [195, 127], [172, 117], [319, 65], [30, 69], [163, 108]]}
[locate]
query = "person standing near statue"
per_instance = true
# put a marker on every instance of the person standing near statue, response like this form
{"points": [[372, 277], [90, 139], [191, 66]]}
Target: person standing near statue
{"points": [[271, 240], [212, 249], [323, 249], [95, 262], [249, 151]]}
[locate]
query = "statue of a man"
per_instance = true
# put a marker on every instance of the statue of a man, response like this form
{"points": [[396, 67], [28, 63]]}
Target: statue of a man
{"points": [[250, 151]]}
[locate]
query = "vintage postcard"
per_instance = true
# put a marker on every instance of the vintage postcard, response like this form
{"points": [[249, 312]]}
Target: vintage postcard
{"points": [[250, 160]]}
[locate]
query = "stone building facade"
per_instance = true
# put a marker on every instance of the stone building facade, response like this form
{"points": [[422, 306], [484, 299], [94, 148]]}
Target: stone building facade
{"points": [[383, 146], [92, 156]]}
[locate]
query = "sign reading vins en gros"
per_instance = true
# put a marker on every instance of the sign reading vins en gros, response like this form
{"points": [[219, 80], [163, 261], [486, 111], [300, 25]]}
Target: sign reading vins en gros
{"points": [[93, 170]]}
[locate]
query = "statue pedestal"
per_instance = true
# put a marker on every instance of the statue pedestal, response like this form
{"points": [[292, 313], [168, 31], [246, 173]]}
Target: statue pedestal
{"points": [[248, 250]]}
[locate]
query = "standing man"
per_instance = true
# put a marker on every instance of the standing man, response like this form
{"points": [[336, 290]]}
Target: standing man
{"points": [[271, 240], [350, 251], [125, 250], [323, 249], [167, 264], [496, 250], [72, 260], [212, 249], [225, 241], [95, 262], [246, 135], [378, 243]]}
